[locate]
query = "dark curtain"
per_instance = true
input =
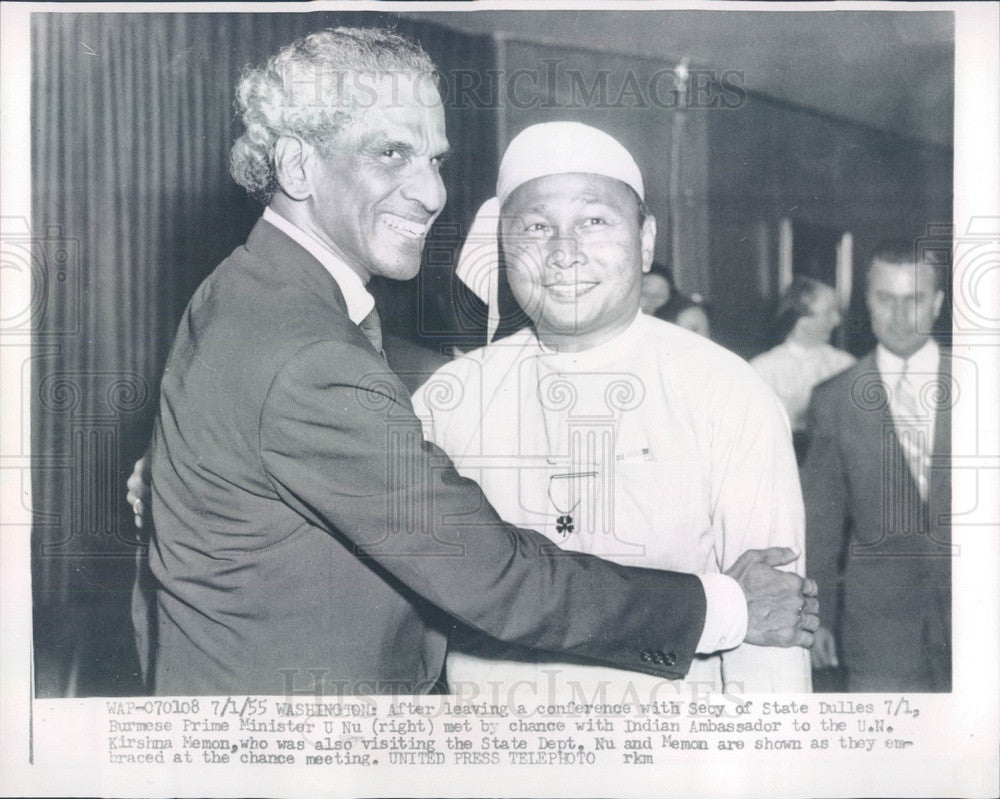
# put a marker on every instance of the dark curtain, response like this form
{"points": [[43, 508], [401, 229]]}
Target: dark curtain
{"points": [[132, 206]]}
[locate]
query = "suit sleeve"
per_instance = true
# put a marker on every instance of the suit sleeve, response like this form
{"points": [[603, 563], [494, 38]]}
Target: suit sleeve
{"points": [[824, 490], [758, 504], [341, 445]]}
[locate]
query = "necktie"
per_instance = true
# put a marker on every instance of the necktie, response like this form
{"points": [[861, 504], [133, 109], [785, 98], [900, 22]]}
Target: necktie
{"points": [[911, 429], [371, 326]]}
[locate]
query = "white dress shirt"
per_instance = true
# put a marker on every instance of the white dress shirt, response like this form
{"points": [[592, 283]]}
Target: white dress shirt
{"points": [[359, 301], [680, 459], [921, 369]]}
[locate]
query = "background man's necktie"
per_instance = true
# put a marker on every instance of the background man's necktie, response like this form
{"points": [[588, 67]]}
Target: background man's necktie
{"points": [[911, 428]]}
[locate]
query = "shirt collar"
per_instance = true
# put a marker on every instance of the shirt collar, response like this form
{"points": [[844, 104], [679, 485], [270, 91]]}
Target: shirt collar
{"points": [[923, 361], [359, 301]]}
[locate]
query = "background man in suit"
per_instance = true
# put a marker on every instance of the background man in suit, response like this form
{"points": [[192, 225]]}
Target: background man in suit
{"points": [[306, 538], [877, 492]]}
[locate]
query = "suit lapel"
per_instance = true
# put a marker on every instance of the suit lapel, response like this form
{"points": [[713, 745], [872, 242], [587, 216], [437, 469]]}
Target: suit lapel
{"points": [[939, 494], [871, 397], [942, 421], [280, 252]]}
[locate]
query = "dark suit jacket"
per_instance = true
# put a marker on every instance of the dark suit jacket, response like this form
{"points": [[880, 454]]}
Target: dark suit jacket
{"points": [[863, 509], [306, 538]]}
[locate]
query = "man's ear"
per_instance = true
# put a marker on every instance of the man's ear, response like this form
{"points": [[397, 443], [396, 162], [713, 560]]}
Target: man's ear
{"points": [[292, 161], [648, 240]]}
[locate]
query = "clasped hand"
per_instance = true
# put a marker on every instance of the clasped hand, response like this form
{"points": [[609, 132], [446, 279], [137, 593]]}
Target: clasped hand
{"points": [[782, 609]]}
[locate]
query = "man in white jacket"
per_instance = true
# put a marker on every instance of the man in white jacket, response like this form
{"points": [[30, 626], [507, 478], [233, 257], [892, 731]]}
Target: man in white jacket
{"points": [[607, 430]]}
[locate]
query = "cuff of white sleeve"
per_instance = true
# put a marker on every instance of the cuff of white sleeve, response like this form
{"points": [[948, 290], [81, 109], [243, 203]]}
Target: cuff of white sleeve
{"points": [[725, 614]]}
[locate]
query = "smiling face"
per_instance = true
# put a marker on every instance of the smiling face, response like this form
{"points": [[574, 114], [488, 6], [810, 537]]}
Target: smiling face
{"points": [[377, 188], [576, 251], [904, 302]]}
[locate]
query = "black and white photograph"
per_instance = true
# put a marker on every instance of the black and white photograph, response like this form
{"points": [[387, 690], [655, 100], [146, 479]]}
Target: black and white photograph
{"points": [[567, 396]]}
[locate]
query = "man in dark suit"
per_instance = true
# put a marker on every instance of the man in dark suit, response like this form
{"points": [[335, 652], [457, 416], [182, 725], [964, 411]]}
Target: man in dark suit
{"points": [[876, 485], [307, 539]]}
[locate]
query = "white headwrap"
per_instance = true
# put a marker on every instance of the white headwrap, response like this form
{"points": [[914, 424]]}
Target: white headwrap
{"points": [[550, 148]]}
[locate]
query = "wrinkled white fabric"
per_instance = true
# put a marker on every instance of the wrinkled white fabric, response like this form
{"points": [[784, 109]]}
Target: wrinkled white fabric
{"points": [[665, 449]]}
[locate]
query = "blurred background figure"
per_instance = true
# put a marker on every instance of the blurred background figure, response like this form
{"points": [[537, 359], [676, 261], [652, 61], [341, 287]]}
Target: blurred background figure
{"points": [[687, 311], [806, 318], [657, 288]]}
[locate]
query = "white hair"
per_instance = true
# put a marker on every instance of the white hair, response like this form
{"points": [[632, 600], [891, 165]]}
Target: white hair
{"points": [[300, 91]]}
